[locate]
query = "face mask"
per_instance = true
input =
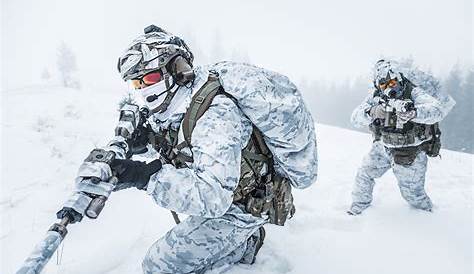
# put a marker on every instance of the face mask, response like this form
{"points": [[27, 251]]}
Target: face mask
{"points": [[155, 95], [394, 92]]}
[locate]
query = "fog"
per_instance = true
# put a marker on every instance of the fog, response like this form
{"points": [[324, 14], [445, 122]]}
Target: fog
{"points": [[326, 47], [332, 40]]}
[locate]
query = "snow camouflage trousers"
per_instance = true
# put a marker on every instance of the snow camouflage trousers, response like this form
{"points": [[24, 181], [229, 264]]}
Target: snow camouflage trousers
{"points": [[205, 245], [411, 179]]}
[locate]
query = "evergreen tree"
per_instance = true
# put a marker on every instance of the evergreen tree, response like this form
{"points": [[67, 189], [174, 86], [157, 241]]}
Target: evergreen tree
{"points": [[66, 62], [466, 111], [453, 132]]}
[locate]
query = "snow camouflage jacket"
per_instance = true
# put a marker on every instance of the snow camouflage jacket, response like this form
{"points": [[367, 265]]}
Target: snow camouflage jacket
{"points": [[206, 187], [431, 104]]}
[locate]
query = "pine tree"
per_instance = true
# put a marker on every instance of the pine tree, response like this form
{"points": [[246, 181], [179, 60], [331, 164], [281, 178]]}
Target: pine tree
{"points": [[454, 131], [66, 62], [45, 75], [466, 109]]}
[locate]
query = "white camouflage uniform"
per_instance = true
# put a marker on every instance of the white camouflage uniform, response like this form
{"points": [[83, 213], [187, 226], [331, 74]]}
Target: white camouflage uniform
{"points": [[218, 233], [431, 107]]}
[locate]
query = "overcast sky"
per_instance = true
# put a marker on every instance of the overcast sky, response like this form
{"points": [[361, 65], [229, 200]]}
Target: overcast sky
{"points": [[332, 40]]}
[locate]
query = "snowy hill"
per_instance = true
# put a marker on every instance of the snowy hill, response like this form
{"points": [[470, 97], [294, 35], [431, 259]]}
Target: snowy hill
{"points": [[47, 132]]}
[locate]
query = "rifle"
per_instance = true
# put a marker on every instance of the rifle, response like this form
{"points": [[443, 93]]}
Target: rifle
{"points": [[392, 106], [91, 193]]}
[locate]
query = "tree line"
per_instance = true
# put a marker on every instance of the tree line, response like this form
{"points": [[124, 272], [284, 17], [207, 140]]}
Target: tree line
{"points": [[332, 103]]}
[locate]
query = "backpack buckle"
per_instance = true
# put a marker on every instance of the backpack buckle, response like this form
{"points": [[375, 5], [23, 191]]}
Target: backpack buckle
{"points": [[199, 99]]}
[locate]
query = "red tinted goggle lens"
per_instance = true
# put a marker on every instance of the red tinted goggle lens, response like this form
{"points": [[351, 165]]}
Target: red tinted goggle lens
{"points": [[151, 78]]}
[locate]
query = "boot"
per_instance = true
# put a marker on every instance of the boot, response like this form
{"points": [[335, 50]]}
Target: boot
{"points": [[254, 243]]}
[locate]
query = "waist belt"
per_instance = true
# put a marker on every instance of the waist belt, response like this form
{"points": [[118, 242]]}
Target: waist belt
{"points": [[407, 138]]}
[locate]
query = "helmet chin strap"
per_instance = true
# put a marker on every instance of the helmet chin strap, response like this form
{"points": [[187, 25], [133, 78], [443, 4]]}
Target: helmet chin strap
{"points": [[181, 73], [166, 103], [170, 93]]}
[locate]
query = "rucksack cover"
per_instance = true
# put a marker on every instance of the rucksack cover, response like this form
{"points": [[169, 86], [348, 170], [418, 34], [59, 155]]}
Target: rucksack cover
{"points": [[275, 106]]}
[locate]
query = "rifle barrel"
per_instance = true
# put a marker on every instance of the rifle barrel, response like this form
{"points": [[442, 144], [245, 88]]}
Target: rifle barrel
{"points": [[41, 254]]}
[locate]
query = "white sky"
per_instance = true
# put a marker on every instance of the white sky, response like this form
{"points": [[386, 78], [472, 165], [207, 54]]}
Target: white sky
{"points": [[332, 40]]}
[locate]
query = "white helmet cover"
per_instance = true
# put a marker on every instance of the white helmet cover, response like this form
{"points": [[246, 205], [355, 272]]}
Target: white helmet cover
{"points": [[150, 52], [385, 70]]}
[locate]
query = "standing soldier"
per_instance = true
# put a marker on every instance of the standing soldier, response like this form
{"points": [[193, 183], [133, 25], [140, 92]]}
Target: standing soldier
{"points": [[403, 114]]}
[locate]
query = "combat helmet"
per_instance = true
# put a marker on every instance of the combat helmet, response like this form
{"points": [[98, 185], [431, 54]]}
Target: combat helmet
{"points": [[157, 51]]}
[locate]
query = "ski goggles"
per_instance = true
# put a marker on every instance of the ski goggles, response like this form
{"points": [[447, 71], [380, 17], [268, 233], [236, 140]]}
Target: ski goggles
{"points": [[388, 84], [147, 80]]}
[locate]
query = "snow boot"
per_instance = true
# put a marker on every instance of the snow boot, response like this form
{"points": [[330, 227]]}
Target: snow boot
{"points": [[254, 243]]}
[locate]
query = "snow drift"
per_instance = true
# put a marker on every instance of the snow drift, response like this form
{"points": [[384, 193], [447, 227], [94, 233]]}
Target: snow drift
{"points": [[47, 132]]}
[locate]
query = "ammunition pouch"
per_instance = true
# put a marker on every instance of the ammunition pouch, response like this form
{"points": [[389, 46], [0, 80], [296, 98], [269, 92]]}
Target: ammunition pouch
{"points": [[405, 155], [408, 136], [398, 138]]}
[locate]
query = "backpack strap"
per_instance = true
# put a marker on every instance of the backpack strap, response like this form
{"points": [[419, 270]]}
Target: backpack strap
{"points": [[408, 89], [263, 152], [199, 105], [377, 93]]}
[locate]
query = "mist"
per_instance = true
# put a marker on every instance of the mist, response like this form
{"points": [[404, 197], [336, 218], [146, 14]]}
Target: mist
{"points": [[332, 40], [322, 46]]}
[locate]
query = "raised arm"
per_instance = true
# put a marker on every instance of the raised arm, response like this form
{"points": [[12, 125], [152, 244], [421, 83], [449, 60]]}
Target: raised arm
{"points": [[360, 116]]}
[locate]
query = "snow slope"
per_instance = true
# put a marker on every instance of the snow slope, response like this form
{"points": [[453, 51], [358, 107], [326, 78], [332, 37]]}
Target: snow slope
{"points": [[47, 132]]}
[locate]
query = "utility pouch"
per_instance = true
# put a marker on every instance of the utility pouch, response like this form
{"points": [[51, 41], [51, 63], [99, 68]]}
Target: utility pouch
{"points": [[398, 139], [273, 199], [433, 146], [258, 201], [283, 207], [376, 129], [404, 155]]}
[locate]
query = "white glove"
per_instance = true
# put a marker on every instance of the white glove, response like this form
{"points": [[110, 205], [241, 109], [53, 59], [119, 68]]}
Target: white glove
{"points": [[401, 105], [377, 112]]}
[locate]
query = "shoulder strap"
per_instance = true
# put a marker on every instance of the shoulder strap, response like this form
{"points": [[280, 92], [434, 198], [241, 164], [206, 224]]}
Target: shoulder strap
{"points": [[199, 105], [376, 93], [407, 90]]}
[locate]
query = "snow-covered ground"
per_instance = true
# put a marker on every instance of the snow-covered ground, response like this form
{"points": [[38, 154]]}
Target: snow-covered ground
{"points": [[47, 132]]}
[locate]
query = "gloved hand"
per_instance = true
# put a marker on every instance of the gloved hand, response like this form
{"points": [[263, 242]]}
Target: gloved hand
{"points": [[404, 105], [377, 112], [133, 173], [406, 116]]}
